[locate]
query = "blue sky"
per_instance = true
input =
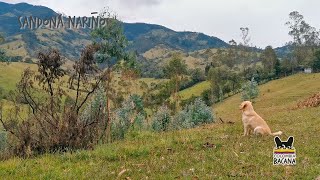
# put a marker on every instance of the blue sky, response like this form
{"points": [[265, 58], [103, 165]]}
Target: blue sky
{"points": [[220, 18]]}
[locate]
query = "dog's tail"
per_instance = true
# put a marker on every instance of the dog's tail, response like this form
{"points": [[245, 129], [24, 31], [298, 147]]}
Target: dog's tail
{"points": [[277, 133]]}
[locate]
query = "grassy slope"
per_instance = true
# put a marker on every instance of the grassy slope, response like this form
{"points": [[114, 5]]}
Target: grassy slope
{"points": [[163, 55], [195, 90], [10, 75], [15, 48], [147, 154]]}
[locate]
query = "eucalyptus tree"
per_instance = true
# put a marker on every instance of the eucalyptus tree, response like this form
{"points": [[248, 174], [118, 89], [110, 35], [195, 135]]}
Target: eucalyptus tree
{"points": [[112, 43], [305, 39]]}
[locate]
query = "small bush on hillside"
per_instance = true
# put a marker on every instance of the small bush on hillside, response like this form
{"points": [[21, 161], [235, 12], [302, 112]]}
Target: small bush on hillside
{"points": [[2, 93], [49, 126], [3, 56], [316, 62], [131, 115], [207, 97], [190, 100], [3, 140], [16, 58], [94, 107], [193, 115], [94, 114], [29, 60], [250, 90], [161, 119]]}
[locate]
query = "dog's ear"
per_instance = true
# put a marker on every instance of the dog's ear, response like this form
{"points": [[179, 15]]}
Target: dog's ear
{"points": [[243, 105]]}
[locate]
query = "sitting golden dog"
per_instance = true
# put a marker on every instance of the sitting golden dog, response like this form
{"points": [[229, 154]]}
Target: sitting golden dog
{"points": [[253, 122]]}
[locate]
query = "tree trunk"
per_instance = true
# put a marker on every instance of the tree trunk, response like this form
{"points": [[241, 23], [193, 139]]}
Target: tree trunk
{"points": [[108, 122], [175, 96], [108, 132]]}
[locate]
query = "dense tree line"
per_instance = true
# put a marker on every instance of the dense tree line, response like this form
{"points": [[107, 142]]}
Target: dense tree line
{"points": [[232, 69]]}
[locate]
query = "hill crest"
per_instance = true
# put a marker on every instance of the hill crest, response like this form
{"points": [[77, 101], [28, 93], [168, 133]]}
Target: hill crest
{"points": [[142, 36]]}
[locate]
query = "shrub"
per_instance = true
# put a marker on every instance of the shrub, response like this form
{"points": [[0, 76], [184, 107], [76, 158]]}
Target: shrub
{"points": [[193, 115], [3, 140], [185, 102], [161, 119], [3, 56], [29, 60], [316, 62], [94, 107], [250, 90], [50, 126], [207, 96], [131, 115], [2, 93], [16, 58]]}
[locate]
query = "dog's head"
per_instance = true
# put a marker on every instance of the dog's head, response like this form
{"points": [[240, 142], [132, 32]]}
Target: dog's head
{"points": [[245, 105]]}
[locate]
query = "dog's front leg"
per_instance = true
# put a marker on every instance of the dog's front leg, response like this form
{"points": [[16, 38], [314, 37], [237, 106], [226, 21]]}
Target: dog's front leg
{"points": [[245, 128]]}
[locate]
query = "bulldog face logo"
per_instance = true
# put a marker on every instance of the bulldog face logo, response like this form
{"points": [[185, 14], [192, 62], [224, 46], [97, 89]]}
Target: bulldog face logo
{"points": [[284, 144]]}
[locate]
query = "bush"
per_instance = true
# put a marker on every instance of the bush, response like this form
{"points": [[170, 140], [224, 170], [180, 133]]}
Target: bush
{"points": [[29, 60], [3, 56], [207, 97], [130, 116], [250, 90], [193, 115], [3, 140], [49, 126], [316, 62], [161, 119], [2, 93], [93, 108], [190, 100], [16, 58]]}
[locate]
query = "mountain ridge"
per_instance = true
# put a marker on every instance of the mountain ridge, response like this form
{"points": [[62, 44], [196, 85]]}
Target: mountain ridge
{"points": [[142, 36]]}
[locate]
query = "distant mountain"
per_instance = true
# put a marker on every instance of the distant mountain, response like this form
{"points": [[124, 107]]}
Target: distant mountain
{"points": [[147, 36], [9, 14], [142, 37]]}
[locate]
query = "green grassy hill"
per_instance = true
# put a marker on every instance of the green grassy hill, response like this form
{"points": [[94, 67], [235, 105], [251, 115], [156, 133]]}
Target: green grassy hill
{"points": [[181, 154], [10, 74], [195, 90]]}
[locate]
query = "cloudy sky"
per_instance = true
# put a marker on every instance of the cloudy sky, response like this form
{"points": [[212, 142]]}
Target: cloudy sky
{"points": [[220, 18]]}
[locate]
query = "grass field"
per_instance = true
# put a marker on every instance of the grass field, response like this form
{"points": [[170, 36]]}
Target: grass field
{"points": [[181, 154], [10, 74], [195, 90], [15, 48]]}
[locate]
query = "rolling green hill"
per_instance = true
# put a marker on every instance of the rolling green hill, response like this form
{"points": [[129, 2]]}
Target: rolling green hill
{"points": [[11, 73], [195, 90], [181, 154]]}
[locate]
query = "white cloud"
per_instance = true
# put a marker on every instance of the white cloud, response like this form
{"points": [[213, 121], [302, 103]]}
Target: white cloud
{"points": [[134, 3]]}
